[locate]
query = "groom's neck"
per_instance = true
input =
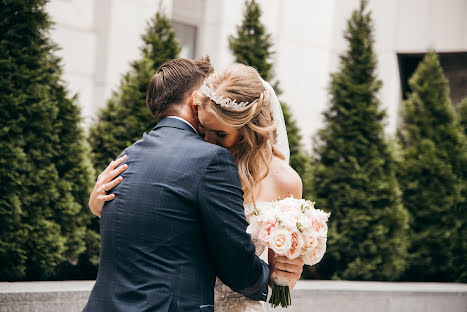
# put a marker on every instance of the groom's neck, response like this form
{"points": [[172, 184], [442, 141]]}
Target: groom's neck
{"points": [[188, 116]]}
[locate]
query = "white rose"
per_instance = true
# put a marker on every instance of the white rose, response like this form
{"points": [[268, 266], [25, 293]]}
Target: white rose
{"points": [[288, 222], [280, 241], [253, 229], [315, 255], [310, 240]]}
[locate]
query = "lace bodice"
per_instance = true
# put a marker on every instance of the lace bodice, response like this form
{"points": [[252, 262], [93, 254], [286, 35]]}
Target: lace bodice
{"points": [[225, 299]]}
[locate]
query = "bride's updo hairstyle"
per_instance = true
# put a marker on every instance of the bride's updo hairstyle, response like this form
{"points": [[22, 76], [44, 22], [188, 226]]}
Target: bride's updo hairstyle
{"points": [[254, 121]]}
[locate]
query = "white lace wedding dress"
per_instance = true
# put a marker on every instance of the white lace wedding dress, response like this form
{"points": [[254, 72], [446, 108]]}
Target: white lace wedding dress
{"points": [[227, 300]]}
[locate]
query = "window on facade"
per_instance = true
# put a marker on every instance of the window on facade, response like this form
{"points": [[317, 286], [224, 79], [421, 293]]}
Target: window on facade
{"points": [[454, 66], [186, 36]]}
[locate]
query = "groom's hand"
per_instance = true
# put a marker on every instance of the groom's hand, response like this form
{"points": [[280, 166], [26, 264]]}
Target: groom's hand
{"points": [[285, 267]]}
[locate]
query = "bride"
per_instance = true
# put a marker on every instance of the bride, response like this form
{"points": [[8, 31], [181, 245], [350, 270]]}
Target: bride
{"points": [[236, 109]]}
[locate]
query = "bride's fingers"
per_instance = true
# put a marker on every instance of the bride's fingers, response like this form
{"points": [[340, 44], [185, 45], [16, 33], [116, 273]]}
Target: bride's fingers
{"points": [[292, 268], [287, 275], [297, 261], [107, 197], [113, 164], [114, 173], [112, 184]]}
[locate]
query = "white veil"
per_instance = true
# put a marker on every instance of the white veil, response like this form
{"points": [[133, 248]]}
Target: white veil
{"points": [[282, 141]]}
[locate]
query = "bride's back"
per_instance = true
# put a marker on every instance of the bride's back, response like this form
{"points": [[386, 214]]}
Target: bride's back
{"points": [[282, 181]]}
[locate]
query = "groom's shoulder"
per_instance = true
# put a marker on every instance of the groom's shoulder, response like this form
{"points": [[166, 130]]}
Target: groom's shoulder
{"points": [[211, 150], [191, 145], [207, 152]]}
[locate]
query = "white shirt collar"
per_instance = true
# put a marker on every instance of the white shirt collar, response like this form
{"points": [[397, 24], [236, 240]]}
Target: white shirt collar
{"points": [[179, 118]]}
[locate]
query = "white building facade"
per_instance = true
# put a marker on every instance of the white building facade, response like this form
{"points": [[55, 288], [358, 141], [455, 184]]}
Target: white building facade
{"points": [[99, 38]]}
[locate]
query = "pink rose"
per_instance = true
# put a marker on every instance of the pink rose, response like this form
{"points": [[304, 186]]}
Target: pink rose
{"points": [[296, 245], [265, 231], [319, 226]]}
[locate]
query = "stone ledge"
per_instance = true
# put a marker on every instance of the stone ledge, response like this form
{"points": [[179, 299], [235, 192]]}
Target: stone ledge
{"points": [[40, 287], [328, 296], [382, 286]]}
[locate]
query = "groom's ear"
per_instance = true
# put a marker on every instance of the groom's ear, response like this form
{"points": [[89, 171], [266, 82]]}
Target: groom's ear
{"points": [[193, 106]]}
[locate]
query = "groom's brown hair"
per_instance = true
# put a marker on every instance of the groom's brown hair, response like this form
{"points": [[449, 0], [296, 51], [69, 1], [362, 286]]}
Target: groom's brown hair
{"points": [[172, 83]]}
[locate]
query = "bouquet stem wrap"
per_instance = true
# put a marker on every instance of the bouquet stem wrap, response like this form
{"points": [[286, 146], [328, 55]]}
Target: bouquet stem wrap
{"points": [[280, 293]]}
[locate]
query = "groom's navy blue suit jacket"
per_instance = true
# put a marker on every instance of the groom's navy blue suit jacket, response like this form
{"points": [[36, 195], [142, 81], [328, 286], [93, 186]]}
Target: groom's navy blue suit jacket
{"points": [[176, 222]]}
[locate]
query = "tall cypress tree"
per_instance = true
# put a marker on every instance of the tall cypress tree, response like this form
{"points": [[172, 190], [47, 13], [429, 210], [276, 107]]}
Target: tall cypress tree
{"points": [[462, 111], [252, 46], [462, 253], [433, 177], [45, 174], [354, 170], [126, 117]]}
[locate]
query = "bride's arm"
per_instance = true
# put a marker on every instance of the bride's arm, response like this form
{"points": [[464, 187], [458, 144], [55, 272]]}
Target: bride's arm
{"points": [[290, 184], [107, 180]]}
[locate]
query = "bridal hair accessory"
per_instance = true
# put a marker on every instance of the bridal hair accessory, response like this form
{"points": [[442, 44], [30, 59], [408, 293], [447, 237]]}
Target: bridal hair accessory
{"points": [[220, 100]]}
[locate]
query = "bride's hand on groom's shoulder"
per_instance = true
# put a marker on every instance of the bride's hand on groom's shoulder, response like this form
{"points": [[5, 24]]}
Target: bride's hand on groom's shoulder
{"points": [[107, 180], [285, 267]]}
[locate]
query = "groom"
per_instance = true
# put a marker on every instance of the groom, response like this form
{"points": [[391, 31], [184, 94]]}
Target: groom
{"points": [[177, 220]]}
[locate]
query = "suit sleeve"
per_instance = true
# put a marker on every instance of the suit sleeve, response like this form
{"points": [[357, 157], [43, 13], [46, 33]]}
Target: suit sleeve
{"points": [[223, 216]]}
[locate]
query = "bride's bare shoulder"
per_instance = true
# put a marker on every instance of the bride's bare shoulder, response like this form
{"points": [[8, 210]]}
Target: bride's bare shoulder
{"points": [[285, 178]]}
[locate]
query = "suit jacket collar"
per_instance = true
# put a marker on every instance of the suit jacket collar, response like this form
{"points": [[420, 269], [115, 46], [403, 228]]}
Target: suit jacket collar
{"points": [[173, 123]]}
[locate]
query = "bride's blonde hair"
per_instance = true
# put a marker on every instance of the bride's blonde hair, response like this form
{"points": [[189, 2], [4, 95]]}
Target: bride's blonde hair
{"points": [[255, 122]]}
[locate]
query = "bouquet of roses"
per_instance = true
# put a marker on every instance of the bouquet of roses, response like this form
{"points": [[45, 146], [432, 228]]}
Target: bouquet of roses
{"points": [[292, 228]]}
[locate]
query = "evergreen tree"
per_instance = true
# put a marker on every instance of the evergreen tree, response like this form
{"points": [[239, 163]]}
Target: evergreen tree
{"points": [[354, 170], [126, 117], [252, 46], [463, 114], [433, 177], [45, 175], [298, 159]]}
